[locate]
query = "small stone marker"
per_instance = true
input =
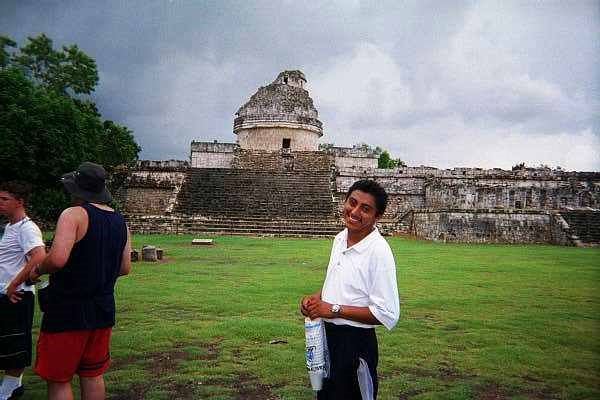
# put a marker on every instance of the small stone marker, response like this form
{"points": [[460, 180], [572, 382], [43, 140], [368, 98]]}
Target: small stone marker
{"points": [[202, 242], [135, 255], [149, 253], [159, 254]]}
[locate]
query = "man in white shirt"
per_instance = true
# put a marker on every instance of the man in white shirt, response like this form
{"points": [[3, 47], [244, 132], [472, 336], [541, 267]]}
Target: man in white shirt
{"points": [[360, 292], [21, 248]]}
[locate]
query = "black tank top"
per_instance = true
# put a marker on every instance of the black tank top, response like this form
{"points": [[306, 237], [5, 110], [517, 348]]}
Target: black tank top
{"points": [[81, 294]]}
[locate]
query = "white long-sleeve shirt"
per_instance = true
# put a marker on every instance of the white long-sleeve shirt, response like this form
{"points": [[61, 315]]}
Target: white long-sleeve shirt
{"points": [[363, 275]]}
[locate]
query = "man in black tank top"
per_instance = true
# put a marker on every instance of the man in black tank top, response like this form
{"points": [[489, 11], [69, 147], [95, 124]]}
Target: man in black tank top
{"points": [[91, 249]]}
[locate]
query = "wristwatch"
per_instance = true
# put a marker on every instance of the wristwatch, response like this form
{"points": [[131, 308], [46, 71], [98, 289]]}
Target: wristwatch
{"points": [[336, 309]]}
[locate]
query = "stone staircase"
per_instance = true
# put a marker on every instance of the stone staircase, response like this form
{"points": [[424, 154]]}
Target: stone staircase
{"points": [[585, 224], [256, 202]]}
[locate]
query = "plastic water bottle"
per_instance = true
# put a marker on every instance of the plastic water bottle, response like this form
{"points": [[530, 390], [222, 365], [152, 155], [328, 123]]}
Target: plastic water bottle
{"points": [[317, 357]]}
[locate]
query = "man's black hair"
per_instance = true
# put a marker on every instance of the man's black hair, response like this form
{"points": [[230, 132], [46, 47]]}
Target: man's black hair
{"points": [[18, 189], [374, 189]]}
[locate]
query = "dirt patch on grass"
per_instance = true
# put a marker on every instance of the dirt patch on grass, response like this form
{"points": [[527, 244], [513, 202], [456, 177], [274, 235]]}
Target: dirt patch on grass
{"points": [[135, 392], [249, 388], [493, 391], [445, 372], [167, 361], [163, 363], [409, 394], [490, 391]]}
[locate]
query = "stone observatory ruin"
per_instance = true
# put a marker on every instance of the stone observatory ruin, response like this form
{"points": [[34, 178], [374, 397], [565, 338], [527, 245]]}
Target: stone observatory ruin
{"points": [[274, 180]]}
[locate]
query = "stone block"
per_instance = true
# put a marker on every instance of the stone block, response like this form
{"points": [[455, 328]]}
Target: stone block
{"points": [[149, 253], [202, 242]]}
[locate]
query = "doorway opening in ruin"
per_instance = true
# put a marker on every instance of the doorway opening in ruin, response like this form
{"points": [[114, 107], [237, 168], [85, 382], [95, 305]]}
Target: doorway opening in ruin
{"points": [[286, 143]]}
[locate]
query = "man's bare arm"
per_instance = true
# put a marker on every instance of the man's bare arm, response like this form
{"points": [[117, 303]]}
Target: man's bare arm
{"points": [[126, 257], [64, 240], [36, 256]]}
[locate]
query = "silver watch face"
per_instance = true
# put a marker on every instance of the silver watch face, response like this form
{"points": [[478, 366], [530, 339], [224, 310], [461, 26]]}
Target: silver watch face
{"points": [[336, 308]]}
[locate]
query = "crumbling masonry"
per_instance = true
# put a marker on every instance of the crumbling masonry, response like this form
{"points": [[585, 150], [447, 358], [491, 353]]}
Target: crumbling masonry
{"points": [[275, 181]]}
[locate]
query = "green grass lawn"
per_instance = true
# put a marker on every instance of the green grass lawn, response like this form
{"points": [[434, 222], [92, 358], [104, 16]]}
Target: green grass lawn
{"points": [[478, 322]]}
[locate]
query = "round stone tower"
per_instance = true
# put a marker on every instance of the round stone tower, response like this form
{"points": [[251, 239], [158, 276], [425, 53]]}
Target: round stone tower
{"points": [[279, 116]]}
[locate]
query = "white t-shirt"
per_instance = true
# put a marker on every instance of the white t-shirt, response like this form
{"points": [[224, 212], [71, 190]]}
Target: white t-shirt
{"points": [[363, 275], [18, 240]]}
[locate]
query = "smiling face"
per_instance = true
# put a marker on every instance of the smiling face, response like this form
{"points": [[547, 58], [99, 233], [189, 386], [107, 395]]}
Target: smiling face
{"points": [[360, 213]]}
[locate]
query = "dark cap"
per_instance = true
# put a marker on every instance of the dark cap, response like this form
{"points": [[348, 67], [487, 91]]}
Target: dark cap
{"points": [[88, 183]]}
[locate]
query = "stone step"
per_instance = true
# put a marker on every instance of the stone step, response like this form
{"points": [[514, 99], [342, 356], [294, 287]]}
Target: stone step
{"points": [[249, 201], [584, 224], [236, 225], [236, 222]]}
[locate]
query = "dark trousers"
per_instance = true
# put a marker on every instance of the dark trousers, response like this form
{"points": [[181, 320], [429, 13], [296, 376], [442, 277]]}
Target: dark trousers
{"points": [[353, 358], [16, 320]]}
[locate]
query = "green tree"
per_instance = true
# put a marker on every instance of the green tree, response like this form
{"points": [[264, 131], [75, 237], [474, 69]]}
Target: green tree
{"points": [[5, 55], [68, 68], [45, 131], [385, 161], [117, 148]]}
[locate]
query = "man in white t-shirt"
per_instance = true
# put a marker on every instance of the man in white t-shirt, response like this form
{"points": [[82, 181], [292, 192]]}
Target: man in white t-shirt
{"points": [[360, 292], [21, 249]]}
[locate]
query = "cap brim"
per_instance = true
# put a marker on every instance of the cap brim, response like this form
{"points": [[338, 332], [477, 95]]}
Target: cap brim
{"points": [[68, 181]]}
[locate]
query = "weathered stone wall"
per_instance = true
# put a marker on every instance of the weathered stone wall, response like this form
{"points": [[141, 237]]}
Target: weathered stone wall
{"points": [[483, 226], [517, 204], [561, 232], [477, 188], [271, 138], [161, 165], [153, 224], [510, 193], [282, 161], [468, 205], [151, 187], [354, 158], [212, 154], [148, 200]]}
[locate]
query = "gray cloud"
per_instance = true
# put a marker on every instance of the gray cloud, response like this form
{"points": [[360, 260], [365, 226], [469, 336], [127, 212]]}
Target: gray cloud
{"points": [[441, 83]]}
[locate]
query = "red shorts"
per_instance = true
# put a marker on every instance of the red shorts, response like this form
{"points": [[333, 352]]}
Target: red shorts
{"points": [[64, 354]]}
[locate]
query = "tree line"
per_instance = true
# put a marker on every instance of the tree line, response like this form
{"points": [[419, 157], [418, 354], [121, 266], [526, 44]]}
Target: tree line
{"points": [[49, 124]]}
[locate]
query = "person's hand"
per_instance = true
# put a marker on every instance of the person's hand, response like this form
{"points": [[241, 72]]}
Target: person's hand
{"points": [[319, 308], [306, 301], [304, 305], [34, 277], [11, 292]]}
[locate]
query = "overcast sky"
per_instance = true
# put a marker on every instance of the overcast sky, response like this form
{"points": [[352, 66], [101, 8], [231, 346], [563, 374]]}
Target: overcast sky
{"points": [[439, 83]]}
